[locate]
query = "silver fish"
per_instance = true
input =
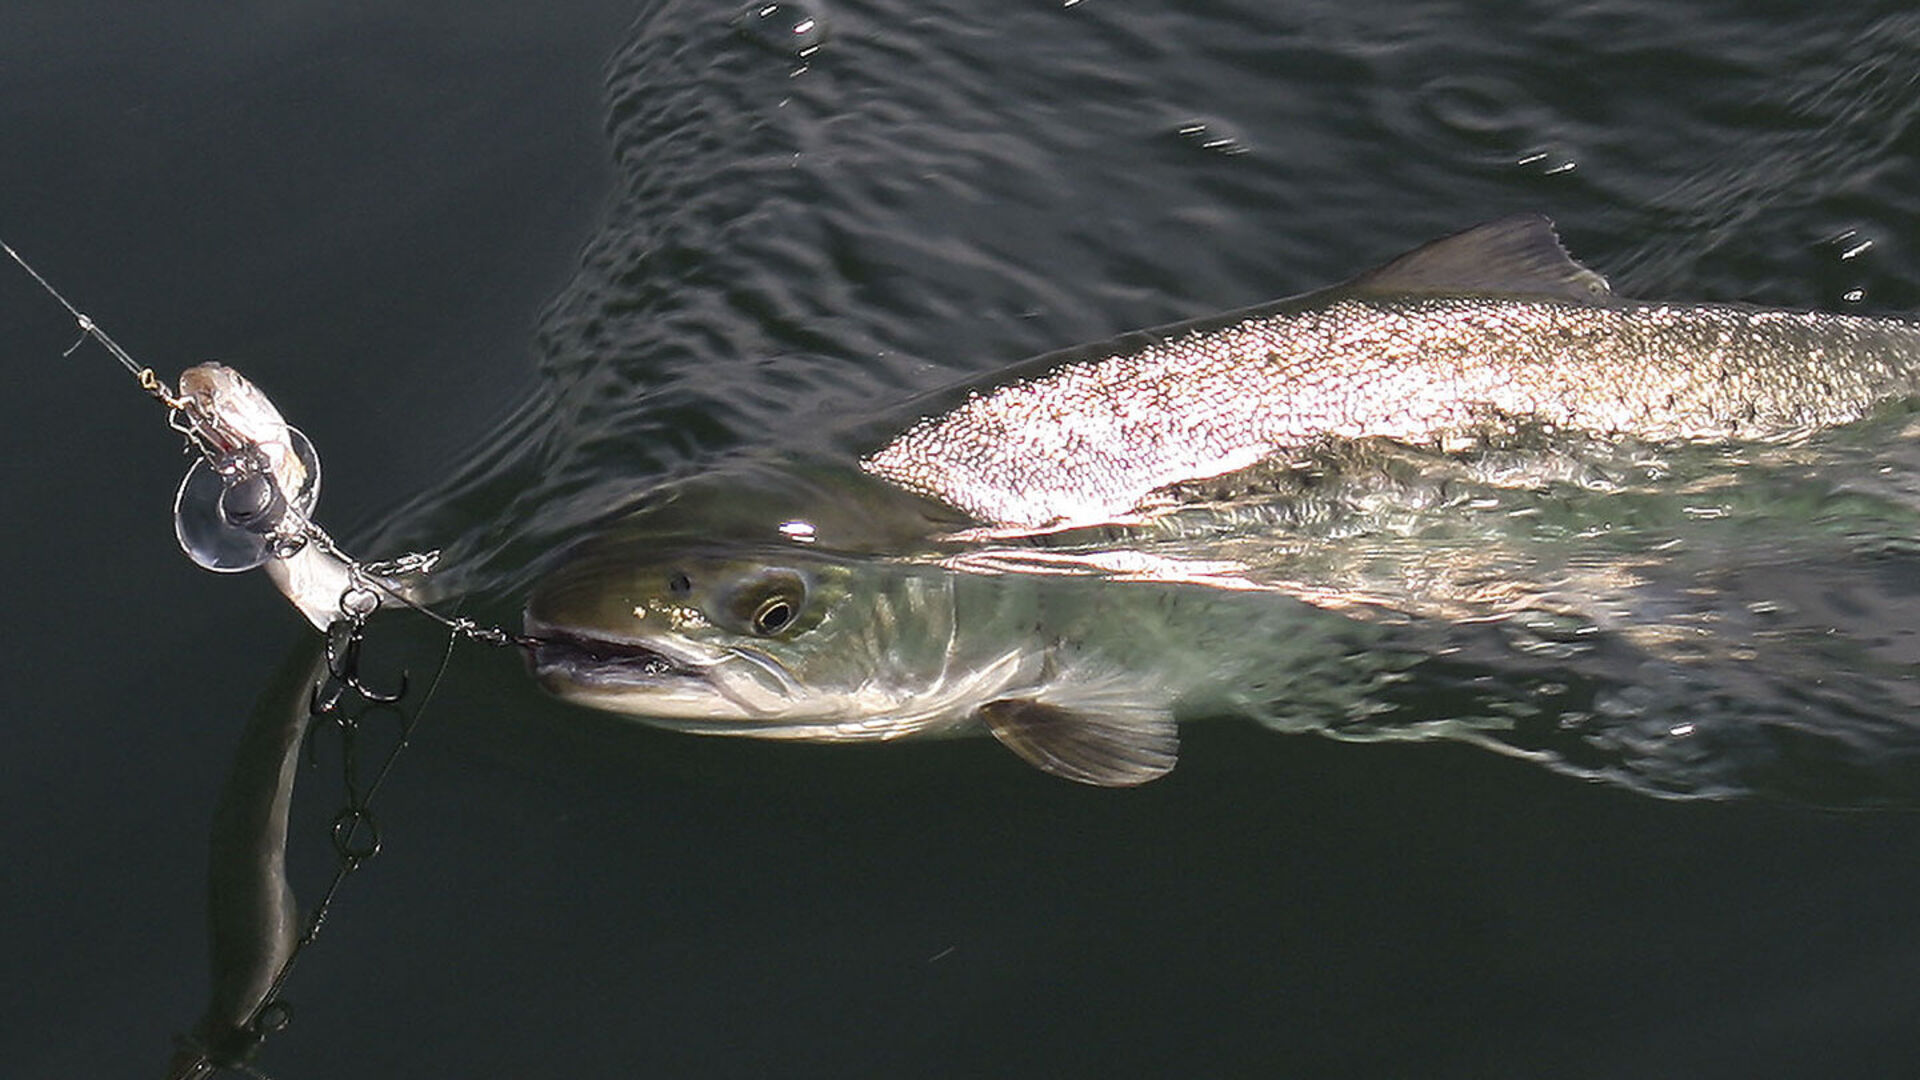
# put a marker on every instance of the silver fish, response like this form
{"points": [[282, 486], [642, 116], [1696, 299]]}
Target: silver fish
{"points": [[1517, 511], [1467, 336], [1696, 658], [799, 644]]}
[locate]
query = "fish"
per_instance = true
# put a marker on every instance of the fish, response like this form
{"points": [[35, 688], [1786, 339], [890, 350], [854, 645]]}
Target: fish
{"points": [[1713, 659], [1368, 512], [807, 645]]}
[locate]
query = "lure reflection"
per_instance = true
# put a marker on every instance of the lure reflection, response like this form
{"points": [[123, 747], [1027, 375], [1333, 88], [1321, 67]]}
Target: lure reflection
{"points": [[1468, 495]]}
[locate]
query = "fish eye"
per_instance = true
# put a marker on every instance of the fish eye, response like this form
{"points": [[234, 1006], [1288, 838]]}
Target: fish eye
{"points": [[679, 584], [770, 602], [774, 614]]}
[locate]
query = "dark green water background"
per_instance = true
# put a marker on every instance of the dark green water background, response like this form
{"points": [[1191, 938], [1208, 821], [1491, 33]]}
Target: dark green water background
{"points": [[505, 265]]}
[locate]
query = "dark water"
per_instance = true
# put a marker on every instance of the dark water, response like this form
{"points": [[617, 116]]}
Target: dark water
{"points": [[507, 270]]}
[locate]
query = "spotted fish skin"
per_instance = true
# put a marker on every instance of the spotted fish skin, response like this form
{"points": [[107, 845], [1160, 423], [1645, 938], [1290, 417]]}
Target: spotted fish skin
{"points": [[1487, 329]]}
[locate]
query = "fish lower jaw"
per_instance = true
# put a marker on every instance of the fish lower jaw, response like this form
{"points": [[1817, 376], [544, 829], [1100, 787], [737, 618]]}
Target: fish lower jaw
{"points": [[685, 705], [697, 707]]}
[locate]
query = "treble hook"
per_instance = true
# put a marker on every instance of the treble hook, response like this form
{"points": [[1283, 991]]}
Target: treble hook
{"points": [[343, 668]]}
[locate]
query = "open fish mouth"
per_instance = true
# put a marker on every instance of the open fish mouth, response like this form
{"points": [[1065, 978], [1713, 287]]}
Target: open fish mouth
{"points": [[564, 657], [670, 683]]}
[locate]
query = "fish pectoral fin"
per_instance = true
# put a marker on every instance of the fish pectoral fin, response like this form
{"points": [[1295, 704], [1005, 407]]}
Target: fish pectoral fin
{"points": [[1514, 256], [1112, 746]]}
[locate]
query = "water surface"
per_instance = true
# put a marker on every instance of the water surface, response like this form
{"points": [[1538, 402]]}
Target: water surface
{"points": [[509, 271]]}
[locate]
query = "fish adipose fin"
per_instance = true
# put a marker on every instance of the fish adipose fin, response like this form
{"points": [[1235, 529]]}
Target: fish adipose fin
{"points": [[1514, 256], [1107, 744]]}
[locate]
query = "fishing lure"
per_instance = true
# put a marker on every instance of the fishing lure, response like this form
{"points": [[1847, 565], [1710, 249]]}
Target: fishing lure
{"points": [[247, 501]]}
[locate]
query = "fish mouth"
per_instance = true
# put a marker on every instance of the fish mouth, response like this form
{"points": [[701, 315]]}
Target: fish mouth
{"points": [[562, 657], [684, 687]]}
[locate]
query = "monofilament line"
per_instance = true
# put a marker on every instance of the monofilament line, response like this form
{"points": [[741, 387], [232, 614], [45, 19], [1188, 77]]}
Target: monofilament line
{"points": [[86, 323]]}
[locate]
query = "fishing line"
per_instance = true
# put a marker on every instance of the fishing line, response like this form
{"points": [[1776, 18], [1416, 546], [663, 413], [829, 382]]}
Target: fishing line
{"points": [[88, 328]]}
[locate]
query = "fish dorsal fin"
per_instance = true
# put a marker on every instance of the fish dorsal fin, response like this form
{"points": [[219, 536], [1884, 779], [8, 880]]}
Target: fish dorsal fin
{"points": [[1514, 256], [1112, 744]]}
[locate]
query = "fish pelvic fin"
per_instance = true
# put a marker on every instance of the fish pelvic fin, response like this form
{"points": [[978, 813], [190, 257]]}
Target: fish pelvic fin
{"points": [[1091, 736], [1517, 256]]}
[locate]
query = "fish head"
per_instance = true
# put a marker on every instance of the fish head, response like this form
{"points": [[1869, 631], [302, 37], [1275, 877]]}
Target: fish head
{"points": [[779, 642], [788, 642]]}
